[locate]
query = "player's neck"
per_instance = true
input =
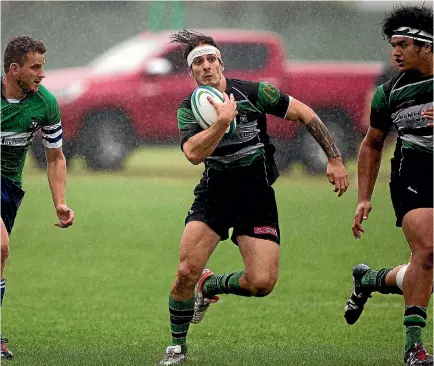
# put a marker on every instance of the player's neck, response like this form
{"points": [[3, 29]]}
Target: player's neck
{"points": [[10, 88], [223, 84], [426, 69]]}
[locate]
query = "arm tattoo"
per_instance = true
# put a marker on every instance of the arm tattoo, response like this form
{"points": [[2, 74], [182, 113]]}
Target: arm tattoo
{"points": [[320, 133]]}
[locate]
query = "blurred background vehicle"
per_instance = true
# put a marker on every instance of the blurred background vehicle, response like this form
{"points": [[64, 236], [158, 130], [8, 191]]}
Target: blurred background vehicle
{"points": [[129, 95]]}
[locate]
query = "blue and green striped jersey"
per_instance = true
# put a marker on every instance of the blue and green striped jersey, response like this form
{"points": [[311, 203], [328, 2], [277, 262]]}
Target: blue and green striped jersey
{"points": [[20, 120]]}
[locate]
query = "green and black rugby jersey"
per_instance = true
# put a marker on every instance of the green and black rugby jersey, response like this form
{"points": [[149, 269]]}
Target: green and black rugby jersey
{"points": [[20, 120], [399, 102], [250, 140]]}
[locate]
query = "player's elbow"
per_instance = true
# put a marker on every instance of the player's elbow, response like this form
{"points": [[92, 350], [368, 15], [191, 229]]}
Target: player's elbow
{"points": [[372, 144], [55, 156], [374, 139], [192, 155], [193, 158]]}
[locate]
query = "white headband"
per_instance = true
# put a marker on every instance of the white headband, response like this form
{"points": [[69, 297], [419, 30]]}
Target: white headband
{"points": [[203, 50], [414, 33]]}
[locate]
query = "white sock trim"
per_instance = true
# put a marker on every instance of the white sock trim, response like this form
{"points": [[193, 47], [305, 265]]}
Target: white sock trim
{"points": [[400, 276]]}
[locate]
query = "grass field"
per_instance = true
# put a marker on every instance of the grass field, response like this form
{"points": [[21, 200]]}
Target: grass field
{"points": [[96, 294]]}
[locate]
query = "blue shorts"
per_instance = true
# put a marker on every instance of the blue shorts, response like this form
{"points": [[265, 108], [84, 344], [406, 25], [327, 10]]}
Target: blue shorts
{"points": [[12, 195]]}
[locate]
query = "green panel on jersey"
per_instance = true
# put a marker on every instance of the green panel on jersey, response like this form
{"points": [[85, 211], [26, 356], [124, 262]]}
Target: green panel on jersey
{"points": [[379, 100], [411, 91], [268, 97], [185, 117], [19, 123]]}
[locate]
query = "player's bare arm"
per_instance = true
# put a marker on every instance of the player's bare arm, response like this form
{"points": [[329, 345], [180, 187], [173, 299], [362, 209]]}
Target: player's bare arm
{"points": [[56, 172], [198, 147], [336, 172], [368, 166]]}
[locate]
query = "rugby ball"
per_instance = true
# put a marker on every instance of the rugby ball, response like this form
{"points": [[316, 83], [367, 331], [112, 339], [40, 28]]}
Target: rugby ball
{"points": [[203, 110]]}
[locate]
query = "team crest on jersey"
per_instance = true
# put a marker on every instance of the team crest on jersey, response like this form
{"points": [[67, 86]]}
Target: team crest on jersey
{"points": [[33, 126], [242, 118]]}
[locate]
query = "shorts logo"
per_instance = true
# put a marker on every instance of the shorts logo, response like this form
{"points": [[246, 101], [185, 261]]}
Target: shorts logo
{"points": [[412, 190], [263, 230]]}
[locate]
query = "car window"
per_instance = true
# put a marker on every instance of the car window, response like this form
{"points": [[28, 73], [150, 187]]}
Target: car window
{"points": [[126, 56], [244, 56], [236, 56], [176, 58]]}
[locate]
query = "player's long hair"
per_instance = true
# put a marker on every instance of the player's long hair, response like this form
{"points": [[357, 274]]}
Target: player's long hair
{"points": [[190, 39], [418, 17]]}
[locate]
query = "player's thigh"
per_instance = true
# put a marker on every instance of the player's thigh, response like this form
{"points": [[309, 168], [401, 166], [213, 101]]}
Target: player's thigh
{"points": [[417, 225], [260, 256], [197, 244]]}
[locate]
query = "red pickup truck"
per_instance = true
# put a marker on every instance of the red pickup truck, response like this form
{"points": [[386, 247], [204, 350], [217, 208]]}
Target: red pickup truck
{"points": [[128, 96]]}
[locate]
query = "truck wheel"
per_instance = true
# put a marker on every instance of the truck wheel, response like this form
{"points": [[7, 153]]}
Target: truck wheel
{"points": [[106, 140], [37, 150], [283, 155], [342, 131]]}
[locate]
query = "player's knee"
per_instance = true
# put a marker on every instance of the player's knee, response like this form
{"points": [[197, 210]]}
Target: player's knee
{"points": [[424, 256], [261, 286], [4, 250], [428, 260], [188, 275]]}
